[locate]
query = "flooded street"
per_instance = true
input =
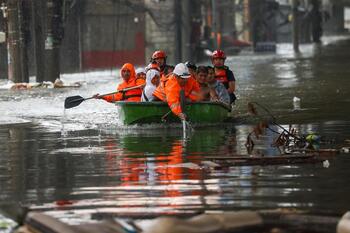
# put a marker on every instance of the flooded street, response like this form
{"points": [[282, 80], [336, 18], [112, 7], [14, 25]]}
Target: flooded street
{"points": [[81, 164]]}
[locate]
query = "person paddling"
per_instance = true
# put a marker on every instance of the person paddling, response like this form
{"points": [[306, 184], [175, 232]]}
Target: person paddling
{"points": [[128, 74]]}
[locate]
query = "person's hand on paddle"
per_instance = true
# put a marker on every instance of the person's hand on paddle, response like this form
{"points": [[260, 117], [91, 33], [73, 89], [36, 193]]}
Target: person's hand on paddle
{"points": [[183, 116]]}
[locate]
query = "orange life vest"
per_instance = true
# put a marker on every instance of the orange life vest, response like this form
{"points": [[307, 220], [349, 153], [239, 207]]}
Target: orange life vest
{"points": [[160, 90], [133, 95], [221, 76], [169, 91]]}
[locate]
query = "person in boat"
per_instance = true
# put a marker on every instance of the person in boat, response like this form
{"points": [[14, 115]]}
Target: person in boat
{"points": [[223, 73], [128, 74], [170, 69], [152, 82], [207, 93], [221, 94], [178, 81], [140, 73], [158, 61], [192, 68]]}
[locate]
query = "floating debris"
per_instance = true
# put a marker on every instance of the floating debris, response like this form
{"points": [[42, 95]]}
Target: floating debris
{"points": [[6, 225], [296, 103], [345, 150], [296, 99], [326, 164], [46, 84]]}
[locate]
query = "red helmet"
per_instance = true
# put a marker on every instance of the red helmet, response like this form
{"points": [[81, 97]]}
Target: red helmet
{"points": [[158, 54], [218, 54]]}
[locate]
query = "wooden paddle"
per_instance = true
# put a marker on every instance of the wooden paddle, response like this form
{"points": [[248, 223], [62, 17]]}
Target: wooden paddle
{"points": [[73, 101]]}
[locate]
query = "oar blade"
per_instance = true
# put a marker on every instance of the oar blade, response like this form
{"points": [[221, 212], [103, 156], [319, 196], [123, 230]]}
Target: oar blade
{"points": [[73, 101]]}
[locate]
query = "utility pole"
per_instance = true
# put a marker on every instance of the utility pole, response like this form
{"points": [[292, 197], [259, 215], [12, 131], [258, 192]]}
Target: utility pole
{"points": [[186, 28], [214, 23], [178, 30], [80, 33], [247, 35], [38, 38], [3, 33], [23, 18], [295, 4], [13, 42], [53, 39]]}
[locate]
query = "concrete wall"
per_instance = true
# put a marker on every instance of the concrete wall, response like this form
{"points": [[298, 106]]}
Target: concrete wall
{"points": [[98, 35], [70, 58], [111, 35], [335, 23], [160, 29]]}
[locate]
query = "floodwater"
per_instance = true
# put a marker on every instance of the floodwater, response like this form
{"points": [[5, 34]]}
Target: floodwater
{"points": [[81, 164]]}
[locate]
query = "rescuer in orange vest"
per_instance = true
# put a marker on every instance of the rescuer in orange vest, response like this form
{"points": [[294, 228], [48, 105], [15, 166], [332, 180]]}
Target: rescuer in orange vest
{"points": [[158, 61], [169, 89], [223, 74], [127, 72]]}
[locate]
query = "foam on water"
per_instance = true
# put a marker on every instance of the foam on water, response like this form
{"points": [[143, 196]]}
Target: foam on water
{"points": [[45, 106]]}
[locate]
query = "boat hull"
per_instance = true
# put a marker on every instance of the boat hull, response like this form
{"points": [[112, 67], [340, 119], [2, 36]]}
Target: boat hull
{"points": [[159, 112]]}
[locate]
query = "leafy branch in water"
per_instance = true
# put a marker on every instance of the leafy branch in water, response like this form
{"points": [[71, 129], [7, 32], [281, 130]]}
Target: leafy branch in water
{"points": [[285, 139]]}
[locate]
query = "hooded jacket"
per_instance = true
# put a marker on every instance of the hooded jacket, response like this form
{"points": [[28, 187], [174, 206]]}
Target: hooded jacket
{"points": [[147, 94], [131, 95]]}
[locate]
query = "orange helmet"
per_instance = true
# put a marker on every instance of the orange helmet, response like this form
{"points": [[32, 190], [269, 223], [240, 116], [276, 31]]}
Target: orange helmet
{"points": [[158, 54], [218, 54]]}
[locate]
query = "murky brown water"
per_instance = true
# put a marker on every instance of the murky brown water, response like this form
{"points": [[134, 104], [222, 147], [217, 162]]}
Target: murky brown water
{"points": [[84, 166]]}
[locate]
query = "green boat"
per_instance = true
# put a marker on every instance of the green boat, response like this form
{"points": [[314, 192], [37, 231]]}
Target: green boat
{"points": [[159, 112]]}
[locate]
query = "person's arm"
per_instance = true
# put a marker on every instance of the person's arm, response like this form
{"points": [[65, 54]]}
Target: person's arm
{"points": [[231, 81], [140, 81], [213, 95], [195, 94], [231, 87], [223, 94], [173, 98], [114, 97]]}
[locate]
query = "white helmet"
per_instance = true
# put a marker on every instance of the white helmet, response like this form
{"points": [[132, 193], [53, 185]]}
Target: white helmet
{"points": [[181, 70]]}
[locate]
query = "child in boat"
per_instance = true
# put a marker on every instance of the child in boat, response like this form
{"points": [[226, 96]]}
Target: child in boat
{"points": [[141, 73], [221, 93], [192, 68], [206, 90], [152, 82]]}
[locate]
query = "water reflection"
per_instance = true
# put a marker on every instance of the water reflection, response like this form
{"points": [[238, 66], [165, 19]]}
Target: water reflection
{"points": [[89, 173], [84, 166]]}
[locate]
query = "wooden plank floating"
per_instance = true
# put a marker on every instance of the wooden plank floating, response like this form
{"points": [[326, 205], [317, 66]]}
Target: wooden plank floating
{"points": [[295, 158], [230, 221]]}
